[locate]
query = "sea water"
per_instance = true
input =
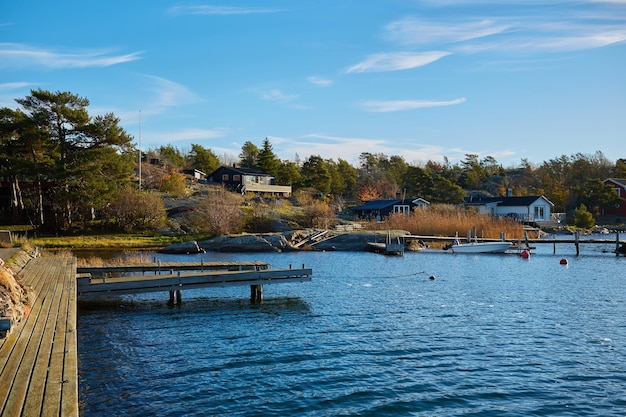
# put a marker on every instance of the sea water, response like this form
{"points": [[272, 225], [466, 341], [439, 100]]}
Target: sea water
{"points": [[426, 334]]}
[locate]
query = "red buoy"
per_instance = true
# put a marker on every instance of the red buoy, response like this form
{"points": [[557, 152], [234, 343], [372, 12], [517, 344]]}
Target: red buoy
{"points": [[563, 261], [525, 254]]}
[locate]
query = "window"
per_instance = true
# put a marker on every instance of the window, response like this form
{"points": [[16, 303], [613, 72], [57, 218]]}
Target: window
{"points": [[401, 209], [224, 177], [236, 177], [539, 212], [618, 191]]}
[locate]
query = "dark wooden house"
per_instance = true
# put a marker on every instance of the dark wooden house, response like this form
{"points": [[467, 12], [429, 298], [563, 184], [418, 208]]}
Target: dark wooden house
{"points": [[383, 207], [247, 180]]}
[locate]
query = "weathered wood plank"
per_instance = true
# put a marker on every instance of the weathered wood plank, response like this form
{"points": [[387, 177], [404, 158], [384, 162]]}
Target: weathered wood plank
{"points": [[25, 350], [175, 266], [142, 284], [40, 355], [69, 394], [38, 380], [52, 395]]}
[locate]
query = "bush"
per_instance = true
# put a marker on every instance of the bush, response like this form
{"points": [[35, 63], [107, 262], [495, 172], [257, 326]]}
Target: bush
{"points": [[583, 218], [217, 213], [138, 211]]}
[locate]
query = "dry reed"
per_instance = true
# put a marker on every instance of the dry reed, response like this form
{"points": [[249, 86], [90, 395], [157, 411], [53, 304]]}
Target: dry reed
{"points": [[127, 258], [446, 220]]}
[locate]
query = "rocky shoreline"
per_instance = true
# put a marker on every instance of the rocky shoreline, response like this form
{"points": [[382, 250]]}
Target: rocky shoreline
{"points": [[15, 298], [286, 242]]}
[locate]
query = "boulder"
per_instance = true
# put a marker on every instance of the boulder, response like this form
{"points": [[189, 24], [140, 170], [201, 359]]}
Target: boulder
{"points": [[184, 248], [247, 243]]}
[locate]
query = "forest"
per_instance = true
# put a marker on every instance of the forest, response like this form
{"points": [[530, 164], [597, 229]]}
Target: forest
{"points": [[63, 168]]}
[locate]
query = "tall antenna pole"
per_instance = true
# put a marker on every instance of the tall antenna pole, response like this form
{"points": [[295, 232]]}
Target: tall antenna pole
{"points": [[139, 149]]}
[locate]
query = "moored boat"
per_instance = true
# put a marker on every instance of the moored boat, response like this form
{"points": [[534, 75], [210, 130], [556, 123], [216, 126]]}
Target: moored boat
{"points": [[480, 247]]}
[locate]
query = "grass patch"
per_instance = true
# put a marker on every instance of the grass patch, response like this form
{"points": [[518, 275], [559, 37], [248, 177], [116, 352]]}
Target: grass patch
{"points": [[104, 241]]}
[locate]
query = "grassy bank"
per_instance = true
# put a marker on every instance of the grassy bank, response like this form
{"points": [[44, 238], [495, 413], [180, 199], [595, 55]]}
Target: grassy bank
{"points": [[112, 241]]}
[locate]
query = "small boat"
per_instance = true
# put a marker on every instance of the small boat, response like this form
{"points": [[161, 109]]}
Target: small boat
{"points": [[480, 247], [389, 247]]}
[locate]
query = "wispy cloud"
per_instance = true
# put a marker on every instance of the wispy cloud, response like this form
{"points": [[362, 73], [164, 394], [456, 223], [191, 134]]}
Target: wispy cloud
{"points": [[377, 106], [10, 91], [321, 82], [168, 93], [193, 135], [218, 10], [13, 86], [277, 95], [396, 61], [13, 55], [414, 31], [350, 148]]}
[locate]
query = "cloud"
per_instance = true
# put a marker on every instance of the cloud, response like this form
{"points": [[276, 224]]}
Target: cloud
{"points": [[402, 105], [396, 61], [170, 94], [192, 135], [321, 82], [277, 95], [350, 148], [14, 55], [414, 31], [218, 10], [13, 86]]}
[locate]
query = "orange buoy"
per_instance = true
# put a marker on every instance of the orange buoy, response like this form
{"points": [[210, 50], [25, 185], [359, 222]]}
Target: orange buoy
{"points": [[563, 261], [525, 254]]}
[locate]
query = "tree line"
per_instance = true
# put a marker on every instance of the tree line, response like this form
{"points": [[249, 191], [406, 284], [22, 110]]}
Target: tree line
{"points": [[62, 167]]}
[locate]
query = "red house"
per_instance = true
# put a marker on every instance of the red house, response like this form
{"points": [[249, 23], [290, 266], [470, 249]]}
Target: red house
{"points": [[619, 185]]}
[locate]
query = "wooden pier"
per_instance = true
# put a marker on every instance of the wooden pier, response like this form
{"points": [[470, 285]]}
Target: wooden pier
{"points": [[175, 283], [575, 239], [38, 358]]}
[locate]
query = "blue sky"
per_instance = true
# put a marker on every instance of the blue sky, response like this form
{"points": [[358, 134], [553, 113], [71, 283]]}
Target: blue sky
{"points": [[422, 79]]}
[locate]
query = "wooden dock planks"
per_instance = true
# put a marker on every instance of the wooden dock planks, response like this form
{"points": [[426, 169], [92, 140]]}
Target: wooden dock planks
{"points": [[173, 282], [38, 360]]}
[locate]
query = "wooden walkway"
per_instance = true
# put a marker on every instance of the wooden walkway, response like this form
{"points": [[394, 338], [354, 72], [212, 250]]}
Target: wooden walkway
{"points": [[158, 267], [38, 359]]}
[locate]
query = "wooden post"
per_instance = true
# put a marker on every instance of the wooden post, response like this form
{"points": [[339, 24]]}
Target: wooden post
{"points": [[502, 236], [576, 242], [553, 244], [256, 293], [172, 300], [179, 297], [617, 243], [469, 236]]}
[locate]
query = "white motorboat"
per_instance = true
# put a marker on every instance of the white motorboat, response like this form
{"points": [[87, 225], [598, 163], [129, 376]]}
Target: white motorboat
{"points": [[480, 247]]}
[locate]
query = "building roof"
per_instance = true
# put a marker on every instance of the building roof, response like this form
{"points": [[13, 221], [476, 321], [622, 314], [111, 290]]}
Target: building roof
{"points": [[382, 203], [524, 201], [243, 171], [378, 204], [619, 181]]}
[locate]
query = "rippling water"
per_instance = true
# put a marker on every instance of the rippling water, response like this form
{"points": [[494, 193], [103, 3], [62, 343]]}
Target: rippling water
{"points": [[491, 335]]}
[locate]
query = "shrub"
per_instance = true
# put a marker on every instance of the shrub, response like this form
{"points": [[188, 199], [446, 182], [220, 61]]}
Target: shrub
{"points": [[583, 218], [217, 213], [138, 211]]}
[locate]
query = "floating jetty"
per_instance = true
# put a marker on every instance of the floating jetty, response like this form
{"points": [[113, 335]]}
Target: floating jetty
{"points": [[100, 281], [575, 239], [39, 358]]}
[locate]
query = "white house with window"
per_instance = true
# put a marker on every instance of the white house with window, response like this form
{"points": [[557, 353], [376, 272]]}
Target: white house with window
{"points": [[526, 209]]}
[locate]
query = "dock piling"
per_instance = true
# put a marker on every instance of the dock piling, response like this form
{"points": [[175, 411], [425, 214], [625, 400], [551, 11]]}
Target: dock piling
{"points": [[256, 293]]}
